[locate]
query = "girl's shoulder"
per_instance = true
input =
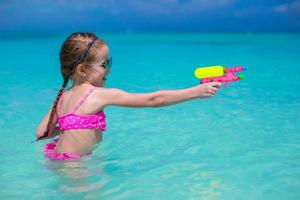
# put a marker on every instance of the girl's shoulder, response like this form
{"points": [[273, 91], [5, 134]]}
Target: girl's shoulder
{"points": [[105, 91], [105, 95], [101, 93], [100, 96]]}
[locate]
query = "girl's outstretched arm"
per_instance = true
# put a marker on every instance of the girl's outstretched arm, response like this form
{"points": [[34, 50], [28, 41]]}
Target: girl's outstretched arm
{"points": [[159, 98], [41, 129]]}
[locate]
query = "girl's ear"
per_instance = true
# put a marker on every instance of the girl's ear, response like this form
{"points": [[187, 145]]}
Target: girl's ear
{"points": [[81, 70]]}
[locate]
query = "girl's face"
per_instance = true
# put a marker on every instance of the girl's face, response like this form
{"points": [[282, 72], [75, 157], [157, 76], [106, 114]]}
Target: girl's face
{"points": [[98, 72]]}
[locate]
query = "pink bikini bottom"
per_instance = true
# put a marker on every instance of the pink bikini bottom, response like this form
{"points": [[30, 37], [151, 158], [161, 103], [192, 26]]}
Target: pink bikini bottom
{"points": [[51, 154]]}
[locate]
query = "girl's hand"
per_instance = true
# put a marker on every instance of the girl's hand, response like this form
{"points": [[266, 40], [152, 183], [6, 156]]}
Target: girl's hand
{"points": [[208, 89], [52, 134]]}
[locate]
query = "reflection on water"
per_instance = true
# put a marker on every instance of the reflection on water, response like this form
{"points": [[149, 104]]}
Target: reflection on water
{"points": [[79, 176]]}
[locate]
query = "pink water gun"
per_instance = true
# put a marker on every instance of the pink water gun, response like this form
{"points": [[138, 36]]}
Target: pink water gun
{"points": [[219, 74]]}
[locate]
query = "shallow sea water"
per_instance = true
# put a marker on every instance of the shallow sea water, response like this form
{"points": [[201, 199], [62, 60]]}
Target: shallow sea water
{"points": [[242, 144]]}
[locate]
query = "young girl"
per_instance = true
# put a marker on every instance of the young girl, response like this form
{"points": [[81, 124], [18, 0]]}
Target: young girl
{"points": [[79, 110]]}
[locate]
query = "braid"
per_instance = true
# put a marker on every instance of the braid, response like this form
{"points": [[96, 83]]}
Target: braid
{"points": [[53, 111]]}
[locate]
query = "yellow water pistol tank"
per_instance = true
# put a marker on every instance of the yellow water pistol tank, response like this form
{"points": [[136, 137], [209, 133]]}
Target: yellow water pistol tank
{"points": [[208, 72]]}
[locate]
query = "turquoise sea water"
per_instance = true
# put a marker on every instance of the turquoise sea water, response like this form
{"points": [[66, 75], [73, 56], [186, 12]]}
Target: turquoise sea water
{"points": [[242, 144]]}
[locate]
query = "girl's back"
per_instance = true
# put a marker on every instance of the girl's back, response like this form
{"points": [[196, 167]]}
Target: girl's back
{"points": [[73, 104]]}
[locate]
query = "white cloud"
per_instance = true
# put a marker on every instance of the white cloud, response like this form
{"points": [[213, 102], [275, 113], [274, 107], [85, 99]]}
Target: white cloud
{"points": [[281, 8], [247, 12], [115, 7], [295, 5], [287, 7], [177, 6]]}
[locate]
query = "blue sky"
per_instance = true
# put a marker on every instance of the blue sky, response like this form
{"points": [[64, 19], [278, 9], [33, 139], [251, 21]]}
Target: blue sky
{"points": [[150, 15]]}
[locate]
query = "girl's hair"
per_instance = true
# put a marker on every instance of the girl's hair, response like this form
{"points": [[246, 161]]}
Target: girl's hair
{"points": [[78, 48]]}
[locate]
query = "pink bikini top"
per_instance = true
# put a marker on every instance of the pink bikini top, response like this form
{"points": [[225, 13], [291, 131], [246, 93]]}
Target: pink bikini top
{"points": [[73, 121]]}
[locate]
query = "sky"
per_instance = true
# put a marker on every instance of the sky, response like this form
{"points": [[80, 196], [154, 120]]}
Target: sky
{"points": [[150, 15]]}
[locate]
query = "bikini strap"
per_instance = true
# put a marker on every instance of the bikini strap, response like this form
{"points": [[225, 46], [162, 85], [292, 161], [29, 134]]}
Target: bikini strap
{"points": [[83, 99]]}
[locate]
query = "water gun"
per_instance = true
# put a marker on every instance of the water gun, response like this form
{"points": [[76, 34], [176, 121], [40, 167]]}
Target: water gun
{"points": [[219, 74]]}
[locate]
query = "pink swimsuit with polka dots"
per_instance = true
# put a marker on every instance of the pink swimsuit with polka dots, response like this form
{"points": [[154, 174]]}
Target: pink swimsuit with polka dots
{"points": [[73, 121]]}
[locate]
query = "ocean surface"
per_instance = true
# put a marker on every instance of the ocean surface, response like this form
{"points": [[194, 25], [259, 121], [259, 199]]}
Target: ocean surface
{"points": [[244, 143]]}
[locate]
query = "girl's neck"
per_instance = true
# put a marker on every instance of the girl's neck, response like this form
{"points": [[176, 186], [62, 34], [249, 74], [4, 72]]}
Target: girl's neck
{"points": [[81, 82], [79, 85]]}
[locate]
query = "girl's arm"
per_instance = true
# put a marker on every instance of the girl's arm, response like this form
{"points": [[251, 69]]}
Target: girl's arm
{"points": [[41, 129], [159, 98]]}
